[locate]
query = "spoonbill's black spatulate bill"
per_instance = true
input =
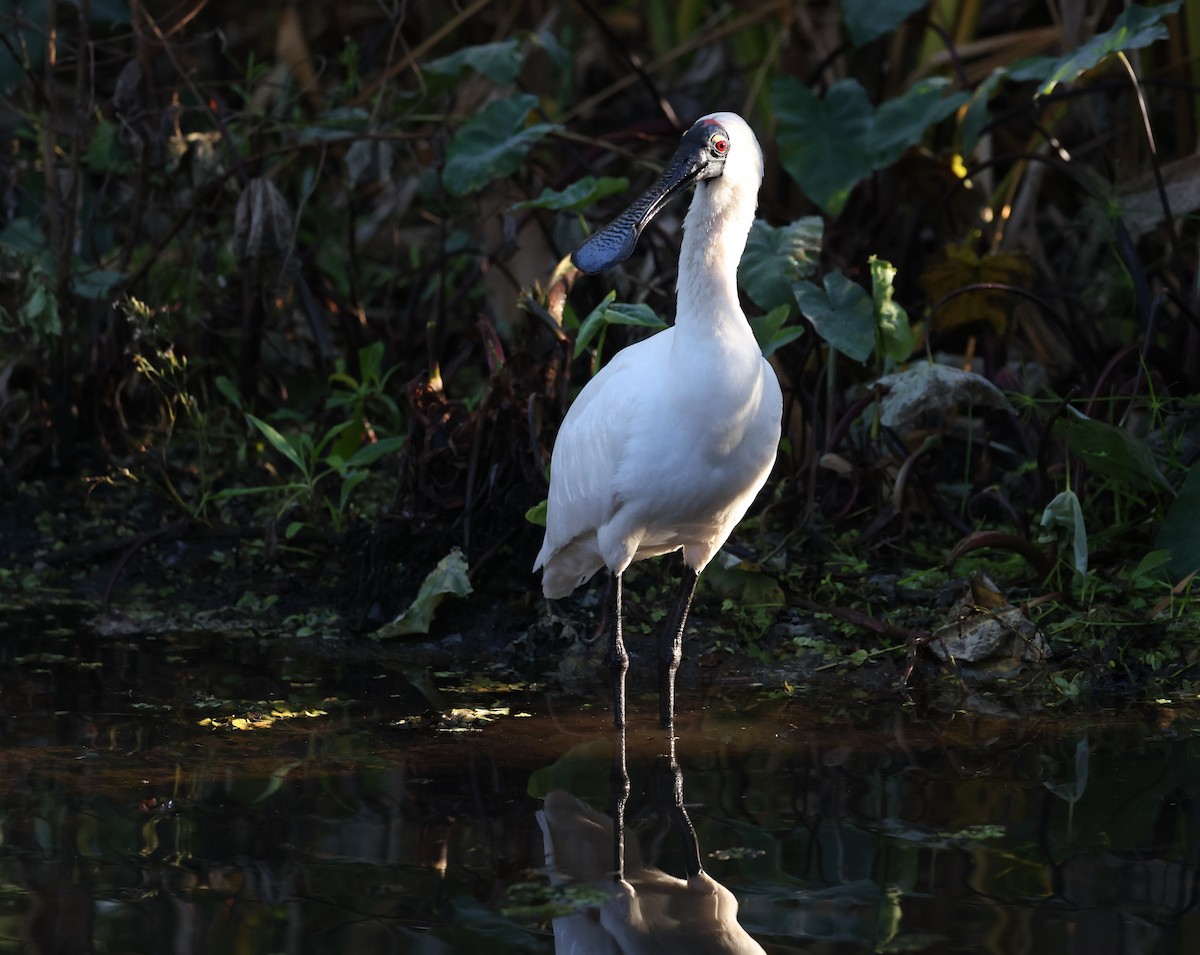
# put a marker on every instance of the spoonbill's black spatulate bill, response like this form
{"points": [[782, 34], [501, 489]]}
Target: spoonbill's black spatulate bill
{"points": [[667, 446]]}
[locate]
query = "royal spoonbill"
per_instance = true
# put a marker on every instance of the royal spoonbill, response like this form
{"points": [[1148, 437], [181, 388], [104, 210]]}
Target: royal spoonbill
{"points": [[667, 446], [651, 912]]}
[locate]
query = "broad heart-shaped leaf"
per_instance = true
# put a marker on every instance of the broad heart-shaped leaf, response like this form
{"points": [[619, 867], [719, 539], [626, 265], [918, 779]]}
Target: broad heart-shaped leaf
{"points": [[830, 145], [1180, 531], [1063, 521], [491, 144], [895, 334], [1113, 452], [499, 62], [824, 144], [867, 19], [1135, 28], [842, 313], [770, 331], [901, 122], [776, 258], [448, 578], [577, 196], [956, 267]]}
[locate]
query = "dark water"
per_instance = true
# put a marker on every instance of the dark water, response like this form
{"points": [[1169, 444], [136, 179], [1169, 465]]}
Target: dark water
{"points": [[205, 792]]}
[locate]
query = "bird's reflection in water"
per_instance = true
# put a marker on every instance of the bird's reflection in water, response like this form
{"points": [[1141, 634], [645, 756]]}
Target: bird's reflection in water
{"points": [[649, 911]]}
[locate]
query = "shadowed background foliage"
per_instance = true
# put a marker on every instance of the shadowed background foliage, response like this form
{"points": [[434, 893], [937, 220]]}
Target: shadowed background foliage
{"points": [[297, 270]]}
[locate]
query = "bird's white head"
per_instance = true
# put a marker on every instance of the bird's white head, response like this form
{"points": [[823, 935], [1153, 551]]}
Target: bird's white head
{"points": [[722, 155], [728, 193]]}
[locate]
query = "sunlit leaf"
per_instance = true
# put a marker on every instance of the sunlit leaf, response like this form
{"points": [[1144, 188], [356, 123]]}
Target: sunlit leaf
{"points": [[492, 144], [577, 196], [537, 514], [777, 257], [1135, 28], [1063, 522], [448, 578], [841, 312], [895, 334], [867, 19]]}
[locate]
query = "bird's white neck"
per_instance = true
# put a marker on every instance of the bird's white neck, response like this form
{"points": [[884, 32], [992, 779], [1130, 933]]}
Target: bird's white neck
{"points": [[714, 237]]}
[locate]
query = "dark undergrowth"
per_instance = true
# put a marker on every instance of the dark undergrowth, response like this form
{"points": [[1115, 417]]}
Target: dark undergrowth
{"points": [[286, 326]]}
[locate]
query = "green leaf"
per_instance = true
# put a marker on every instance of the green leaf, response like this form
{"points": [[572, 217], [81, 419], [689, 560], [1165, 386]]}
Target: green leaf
{"points": [[830, 145], [776, 258], [278, 778], [492, 144], [1063, 521], [95, 284], [824, 144], [577, 196], [279, 442], [24, 235], [537, 514], [592, 324], [608, 313], [1180, 531], [368, 454], [1135, 28], [1113, 452], [771, 332], [106, 152], [895, 334], [350, 481], [448, 578], [977, 116], [901, 122], [640, 314], [229, 391], [842, 314], [867, 19], [499, 62]]}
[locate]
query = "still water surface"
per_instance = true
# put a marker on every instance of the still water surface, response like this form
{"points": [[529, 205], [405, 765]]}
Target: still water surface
{"points": [[203, 793]]}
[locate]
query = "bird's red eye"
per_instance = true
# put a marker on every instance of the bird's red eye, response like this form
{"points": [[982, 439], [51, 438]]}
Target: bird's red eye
{"points": [[720, 146]]}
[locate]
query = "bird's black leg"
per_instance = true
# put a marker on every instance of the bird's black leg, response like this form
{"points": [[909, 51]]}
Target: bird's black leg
{"points": [[691, 845], [670, 648], [618, 658], [619, 788], [619, 777]]}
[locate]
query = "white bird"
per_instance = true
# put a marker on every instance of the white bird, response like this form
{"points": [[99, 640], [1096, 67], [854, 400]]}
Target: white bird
{"points": [[649, 912], [667, 446]]}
